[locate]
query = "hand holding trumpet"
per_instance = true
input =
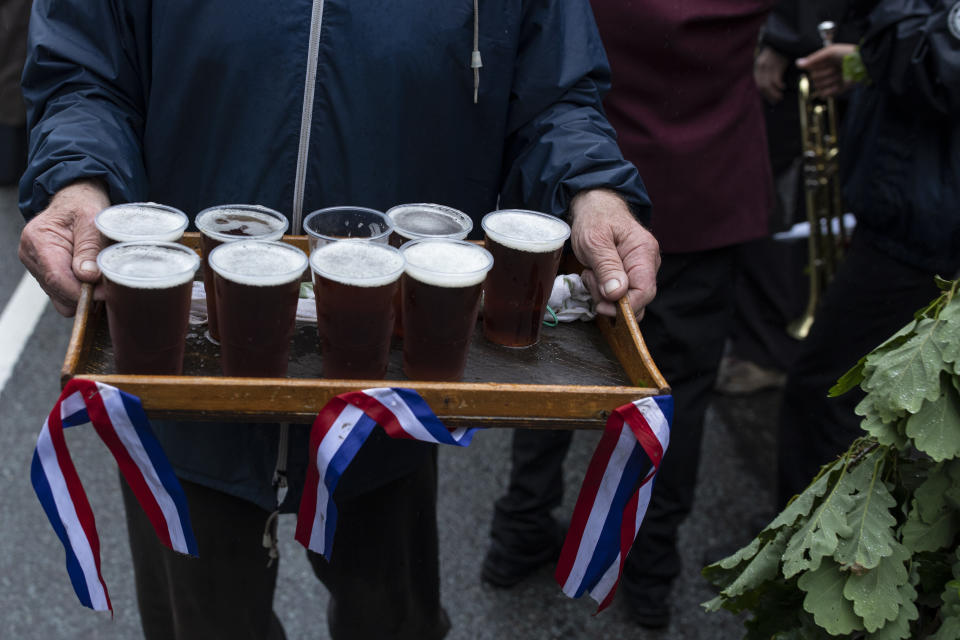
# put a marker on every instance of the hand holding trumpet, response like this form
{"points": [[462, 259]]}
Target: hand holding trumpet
{"points": [[825, 69]]}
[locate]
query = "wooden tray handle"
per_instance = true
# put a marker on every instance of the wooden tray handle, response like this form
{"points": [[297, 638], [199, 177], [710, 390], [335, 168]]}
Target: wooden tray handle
{"points": [[623, 335], [78, 336]]}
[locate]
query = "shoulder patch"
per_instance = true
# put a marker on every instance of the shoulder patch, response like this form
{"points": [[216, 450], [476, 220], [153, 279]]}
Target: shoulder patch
{"points": [[953, 20]]}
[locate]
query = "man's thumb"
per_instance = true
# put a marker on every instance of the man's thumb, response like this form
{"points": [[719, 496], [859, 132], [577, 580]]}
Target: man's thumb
{"points": [[87, 243], [611, 278]]}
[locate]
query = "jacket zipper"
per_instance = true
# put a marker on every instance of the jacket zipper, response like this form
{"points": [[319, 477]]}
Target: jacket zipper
{"points": [[303, 150]]}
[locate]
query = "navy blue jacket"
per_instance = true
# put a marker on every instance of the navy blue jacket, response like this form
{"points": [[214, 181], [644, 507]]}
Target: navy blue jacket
{"points": [[194, 104], [199, 103]]}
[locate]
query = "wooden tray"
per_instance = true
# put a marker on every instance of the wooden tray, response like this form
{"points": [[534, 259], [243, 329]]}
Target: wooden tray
{"points": [[572, 378]]}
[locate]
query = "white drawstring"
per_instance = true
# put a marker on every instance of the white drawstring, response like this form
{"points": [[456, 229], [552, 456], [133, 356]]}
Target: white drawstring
{"points": [[475, 62], [280, 486]]}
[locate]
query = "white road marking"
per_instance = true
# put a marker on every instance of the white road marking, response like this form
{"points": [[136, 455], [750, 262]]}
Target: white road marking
{"points": [[19, 318]]}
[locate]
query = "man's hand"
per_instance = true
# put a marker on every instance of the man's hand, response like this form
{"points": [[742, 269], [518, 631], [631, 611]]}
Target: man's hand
{"points": [[825, 68], [620, 256], [768, 69], [59, 246]]}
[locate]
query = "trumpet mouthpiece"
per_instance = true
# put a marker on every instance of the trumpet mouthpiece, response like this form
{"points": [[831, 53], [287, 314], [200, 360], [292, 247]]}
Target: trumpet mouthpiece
{"points": [[827, 30]]}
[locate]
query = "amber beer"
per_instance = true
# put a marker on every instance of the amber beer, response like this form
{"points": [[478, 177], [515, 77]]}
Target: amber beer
{"points": [[135, 221], [229, 223], [147, 287], [354, 282], [441, 287], [526, 248], [257, 284]]}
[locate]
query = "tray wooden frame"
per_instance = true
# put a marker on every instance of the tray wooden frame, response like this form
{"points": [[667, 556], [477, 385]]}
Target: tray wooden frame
{"points": [[300, 399]]}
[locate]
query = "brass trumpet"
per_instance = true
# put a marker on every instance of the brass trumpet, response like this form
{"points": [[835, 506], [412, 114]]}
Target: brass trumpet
{"points": [[822, 190]]}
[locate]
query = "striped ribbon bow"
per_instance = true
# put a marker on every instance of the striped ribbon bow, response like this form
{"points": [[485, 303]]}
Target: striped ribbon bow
{"points": [[338, 432], [121, 423], [614, 499]]}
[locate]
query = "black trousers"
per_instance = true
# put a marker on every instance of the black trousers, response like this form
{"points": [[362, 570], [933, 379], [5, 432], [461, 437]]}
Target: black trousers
{"points": [[771, 292], [385, 560], [871, 297], [684, 328], [771, 286]]}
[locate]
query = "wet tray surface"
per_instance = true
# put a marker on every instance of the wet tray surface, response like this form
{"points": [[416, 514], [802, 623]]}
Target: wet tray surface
{"points": [[572, 378]]}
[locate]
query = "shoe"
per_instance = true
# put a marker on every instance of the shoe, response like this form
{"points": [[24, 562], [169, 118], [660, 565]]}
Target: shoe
{"points": [[653, 618], [738, 377], [647, 610], [503, 569], [647, 601]]}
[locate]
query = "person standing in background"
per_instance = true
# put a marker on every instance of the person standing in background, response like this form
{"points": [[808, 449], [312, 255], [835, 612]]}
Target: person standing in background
{"points": [[772, 287], [689, 116], [900, 167], [14, 16]]}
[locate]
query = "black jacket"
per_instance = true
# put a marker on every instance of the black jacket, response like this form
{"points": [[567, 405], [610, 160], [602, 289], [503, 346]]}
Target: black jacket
{"points": [[900, 148], [791, 27]]}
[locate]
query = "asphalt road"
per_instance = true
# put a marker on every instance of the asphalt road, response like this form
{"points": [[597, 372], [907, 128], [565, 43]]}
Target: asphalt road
{"points": [[38, 601]]}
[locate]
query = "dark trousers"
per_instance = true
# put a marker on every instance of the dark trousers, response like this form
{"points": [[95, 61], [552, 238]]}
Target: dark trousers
{"points": [[870, 298], [771, 286], [385, 561], [771, 292], [684, 328]]}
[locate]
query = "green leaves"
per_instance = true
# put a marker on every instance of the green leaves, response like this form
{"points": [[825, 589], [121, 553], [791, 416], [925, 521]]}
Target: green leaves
{"points": [[764, 566], [819, 535], [935, 428], [872, 536], [870, 549], [876, 595], [932, 522], [825, 599], [903, 378]]}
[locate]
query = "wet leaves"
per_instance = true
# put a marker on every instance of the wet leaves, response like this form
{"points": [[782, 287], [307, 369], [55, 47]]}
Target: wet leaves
{"points": [[870, 548]]}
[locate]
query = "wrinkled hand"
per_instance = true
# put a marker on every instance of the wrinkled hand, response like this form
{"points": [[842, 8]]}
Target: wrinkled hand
{"points": [[59, 246], [768, 69], [825, 68], [621, 257]]}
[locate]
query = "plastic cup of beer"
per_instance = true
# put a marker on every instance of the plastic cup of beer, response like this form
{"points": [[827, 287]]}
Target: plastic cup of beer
{"points": [[229, 223], [257, 288], [324, 226], [424, 220], [441, 287], [354, 282], [526, 248], [134, 221], [148, 287]]}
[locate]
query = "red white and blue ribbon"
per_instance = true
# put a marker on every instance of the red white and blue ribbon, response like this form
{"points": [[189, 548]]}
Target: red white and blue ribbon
{"points": [[121, 423], [338, 432], [614, 499]]}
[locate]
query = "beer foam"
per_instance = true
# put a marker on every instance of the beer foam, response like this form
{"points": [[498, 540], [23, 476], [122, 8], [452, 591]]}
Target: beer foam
{"points": [[526, 230], [445, 263], [148, 265], [358, 263], [232, 222], [423, 220], [141, 221], [258, 263]]}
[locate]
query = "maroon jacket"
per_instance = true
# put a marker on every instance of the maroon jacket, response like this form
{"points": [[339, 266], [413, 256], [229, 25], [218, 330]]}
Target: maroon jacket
{"points": [[689, 116]]}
